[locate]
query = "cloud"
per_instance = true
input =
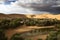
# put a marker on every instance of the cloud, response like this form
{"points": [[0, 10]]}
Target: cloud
{"points": [[12, 8], [15, 8], [14, 3]]}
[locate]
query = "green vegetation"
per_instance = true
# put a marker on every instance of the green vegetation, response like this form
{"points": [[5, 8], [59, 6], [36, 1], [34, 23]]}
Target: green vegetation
{"points": [[6, 24], [17, 37], [13, 23], [2, 35], [39, 39], [54, 35]]}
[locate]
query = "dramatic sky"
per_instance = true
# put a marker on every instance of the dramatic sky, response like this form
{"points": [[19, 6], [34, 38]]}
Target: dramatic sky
{"points": [[10, 6]]}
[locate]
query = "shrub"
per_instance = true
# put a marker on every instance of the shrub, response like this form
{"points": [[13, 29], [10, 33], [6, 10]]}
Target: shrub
{"points": [[39, 39], [17, 37], [13, 23], [30, 23], [57, 26], [2, 35], [52, 36]]}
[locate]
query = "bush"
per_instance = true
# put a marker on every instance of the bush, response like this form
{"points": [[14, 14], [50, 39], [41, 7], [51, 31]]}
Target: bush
{"points": [[13, 23], [57, 26], [2, 35], [30, 23], [17, 37], [52, 36]]}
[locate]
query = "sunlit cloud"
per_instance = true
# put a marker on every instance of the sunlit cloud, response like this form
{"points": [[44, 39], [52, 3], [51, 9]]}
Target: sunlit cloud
{"points": [[15, 7]]}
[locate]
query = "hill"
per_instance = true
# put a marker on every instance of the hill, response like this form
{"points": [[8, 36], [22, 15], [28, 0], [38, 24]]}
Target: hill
{"points": [[46, 15]]}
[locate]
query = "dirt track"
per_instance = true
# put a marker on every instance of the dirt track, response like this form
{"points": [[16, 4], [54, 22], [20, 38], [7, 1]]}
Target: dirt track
{"points": [[10, 32]]}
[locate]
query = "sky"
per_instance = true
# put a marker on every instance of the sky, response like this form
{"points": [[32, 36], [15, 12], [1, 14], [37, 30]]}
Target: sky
{"points": [[9, 1], [10, 7]]}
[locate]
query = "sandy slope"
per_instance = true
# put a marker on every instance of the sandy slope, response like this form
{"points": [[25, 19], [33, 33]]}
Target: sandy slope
{"points": [[46, 15]]}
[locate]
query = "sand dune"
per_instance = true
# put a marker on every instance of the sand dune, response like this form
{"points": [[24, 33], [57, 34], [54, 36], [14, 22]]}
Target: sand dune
{"points": [[46, 15], [52, 16]]}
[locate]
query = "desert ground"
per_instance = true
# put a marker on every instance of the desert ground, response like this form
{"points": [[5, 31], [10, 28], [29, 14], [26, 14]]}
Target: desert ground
{"points": [[10, 32], [45, 15]]}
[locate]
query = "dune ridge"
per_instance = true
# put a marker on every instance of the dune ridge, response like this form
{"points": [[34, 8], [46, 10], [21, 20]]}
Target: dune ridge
{"points": [[45, 15]]}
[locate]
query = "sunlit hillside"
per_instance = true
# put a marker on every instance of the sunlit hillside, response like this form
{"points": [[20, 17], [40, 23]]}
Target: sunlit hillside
{"points": [[29, 26], [46, 15]]}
